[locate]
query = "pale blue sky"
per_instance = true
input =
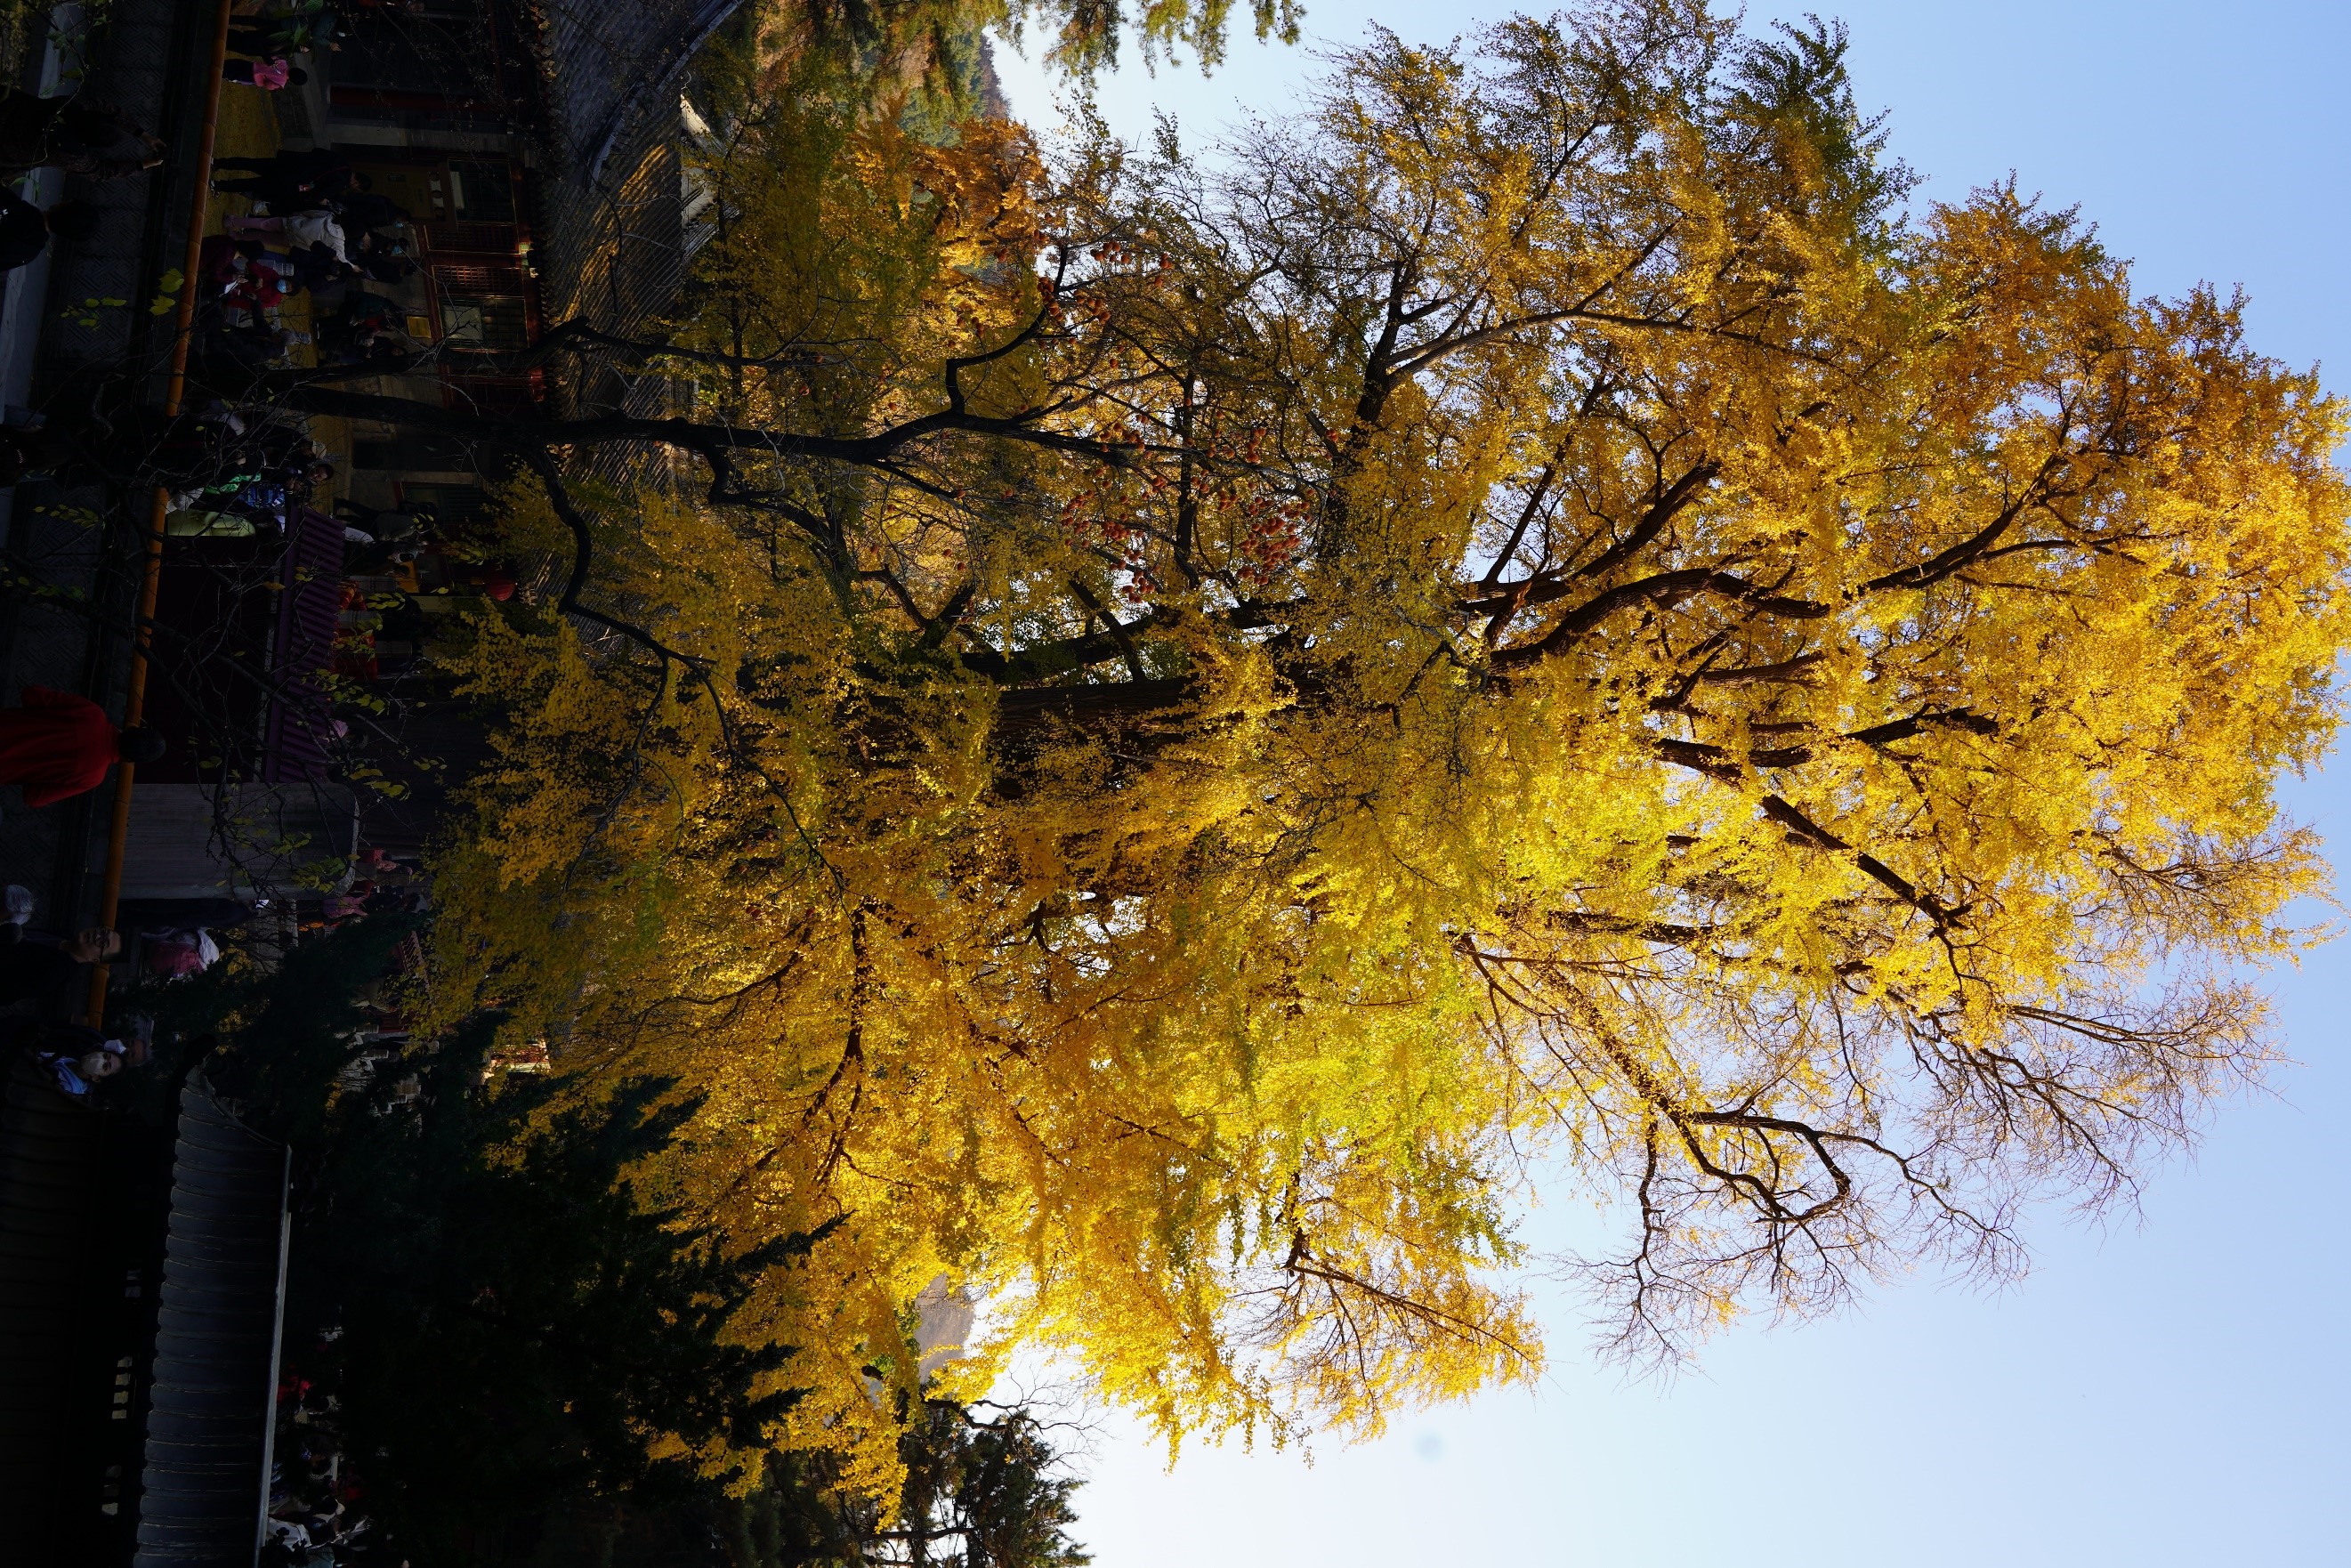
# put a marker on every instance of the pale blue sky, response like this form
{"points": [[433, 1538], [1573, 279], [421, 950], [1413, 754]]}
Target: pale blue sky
{"points": [[2173, 1392]]}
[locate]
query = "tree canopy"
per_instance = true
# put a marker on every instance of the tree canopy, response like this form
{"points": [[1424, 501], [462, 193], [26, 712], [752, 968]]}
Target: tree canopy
{"points": [[1170, 738]]}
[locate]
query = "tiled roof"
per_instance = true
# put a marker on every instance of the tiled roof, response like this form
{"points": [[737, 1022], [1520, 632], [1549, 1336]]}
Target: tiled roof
{"points": [[617, 66], [201, 1494], [616, 71]]}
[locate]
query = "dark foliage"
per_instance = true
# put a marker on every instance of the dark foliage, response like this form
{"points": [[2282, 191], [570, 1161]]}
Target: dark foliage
{"points": [[515, 1327]]}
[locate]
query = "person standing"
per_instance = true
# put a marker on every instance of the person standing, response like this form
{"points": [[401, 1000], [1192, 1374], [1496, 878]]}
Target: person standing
{"points": [[34, 970], [80, 1057], [307, 25], [77, 135], [58, 745], [290, 180], [24, 229], [268, 75]]}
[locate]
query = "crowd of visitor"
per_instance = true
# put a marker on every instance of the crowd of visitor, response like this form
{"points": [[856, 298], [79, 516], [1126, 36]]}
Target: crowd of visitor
{"points": [[311, 268], [318, 1513], [317, 225]]}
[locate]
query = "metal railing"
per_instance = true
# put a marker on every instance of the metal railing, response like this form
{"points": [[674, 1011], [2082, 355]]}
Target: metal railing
{"points": [[134, 703]]}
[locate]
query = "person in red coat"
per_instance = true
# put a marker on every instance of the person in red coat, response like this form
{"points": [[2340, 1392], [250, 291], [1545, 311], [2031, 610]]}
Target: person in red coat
{"points": [[59, 744]]}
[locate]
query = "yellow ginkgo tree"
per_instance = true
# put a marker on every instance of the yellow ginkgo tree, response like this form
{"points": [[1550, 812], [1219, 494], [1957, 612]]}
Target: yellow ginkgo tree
{"points": [[1182, 732]]}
